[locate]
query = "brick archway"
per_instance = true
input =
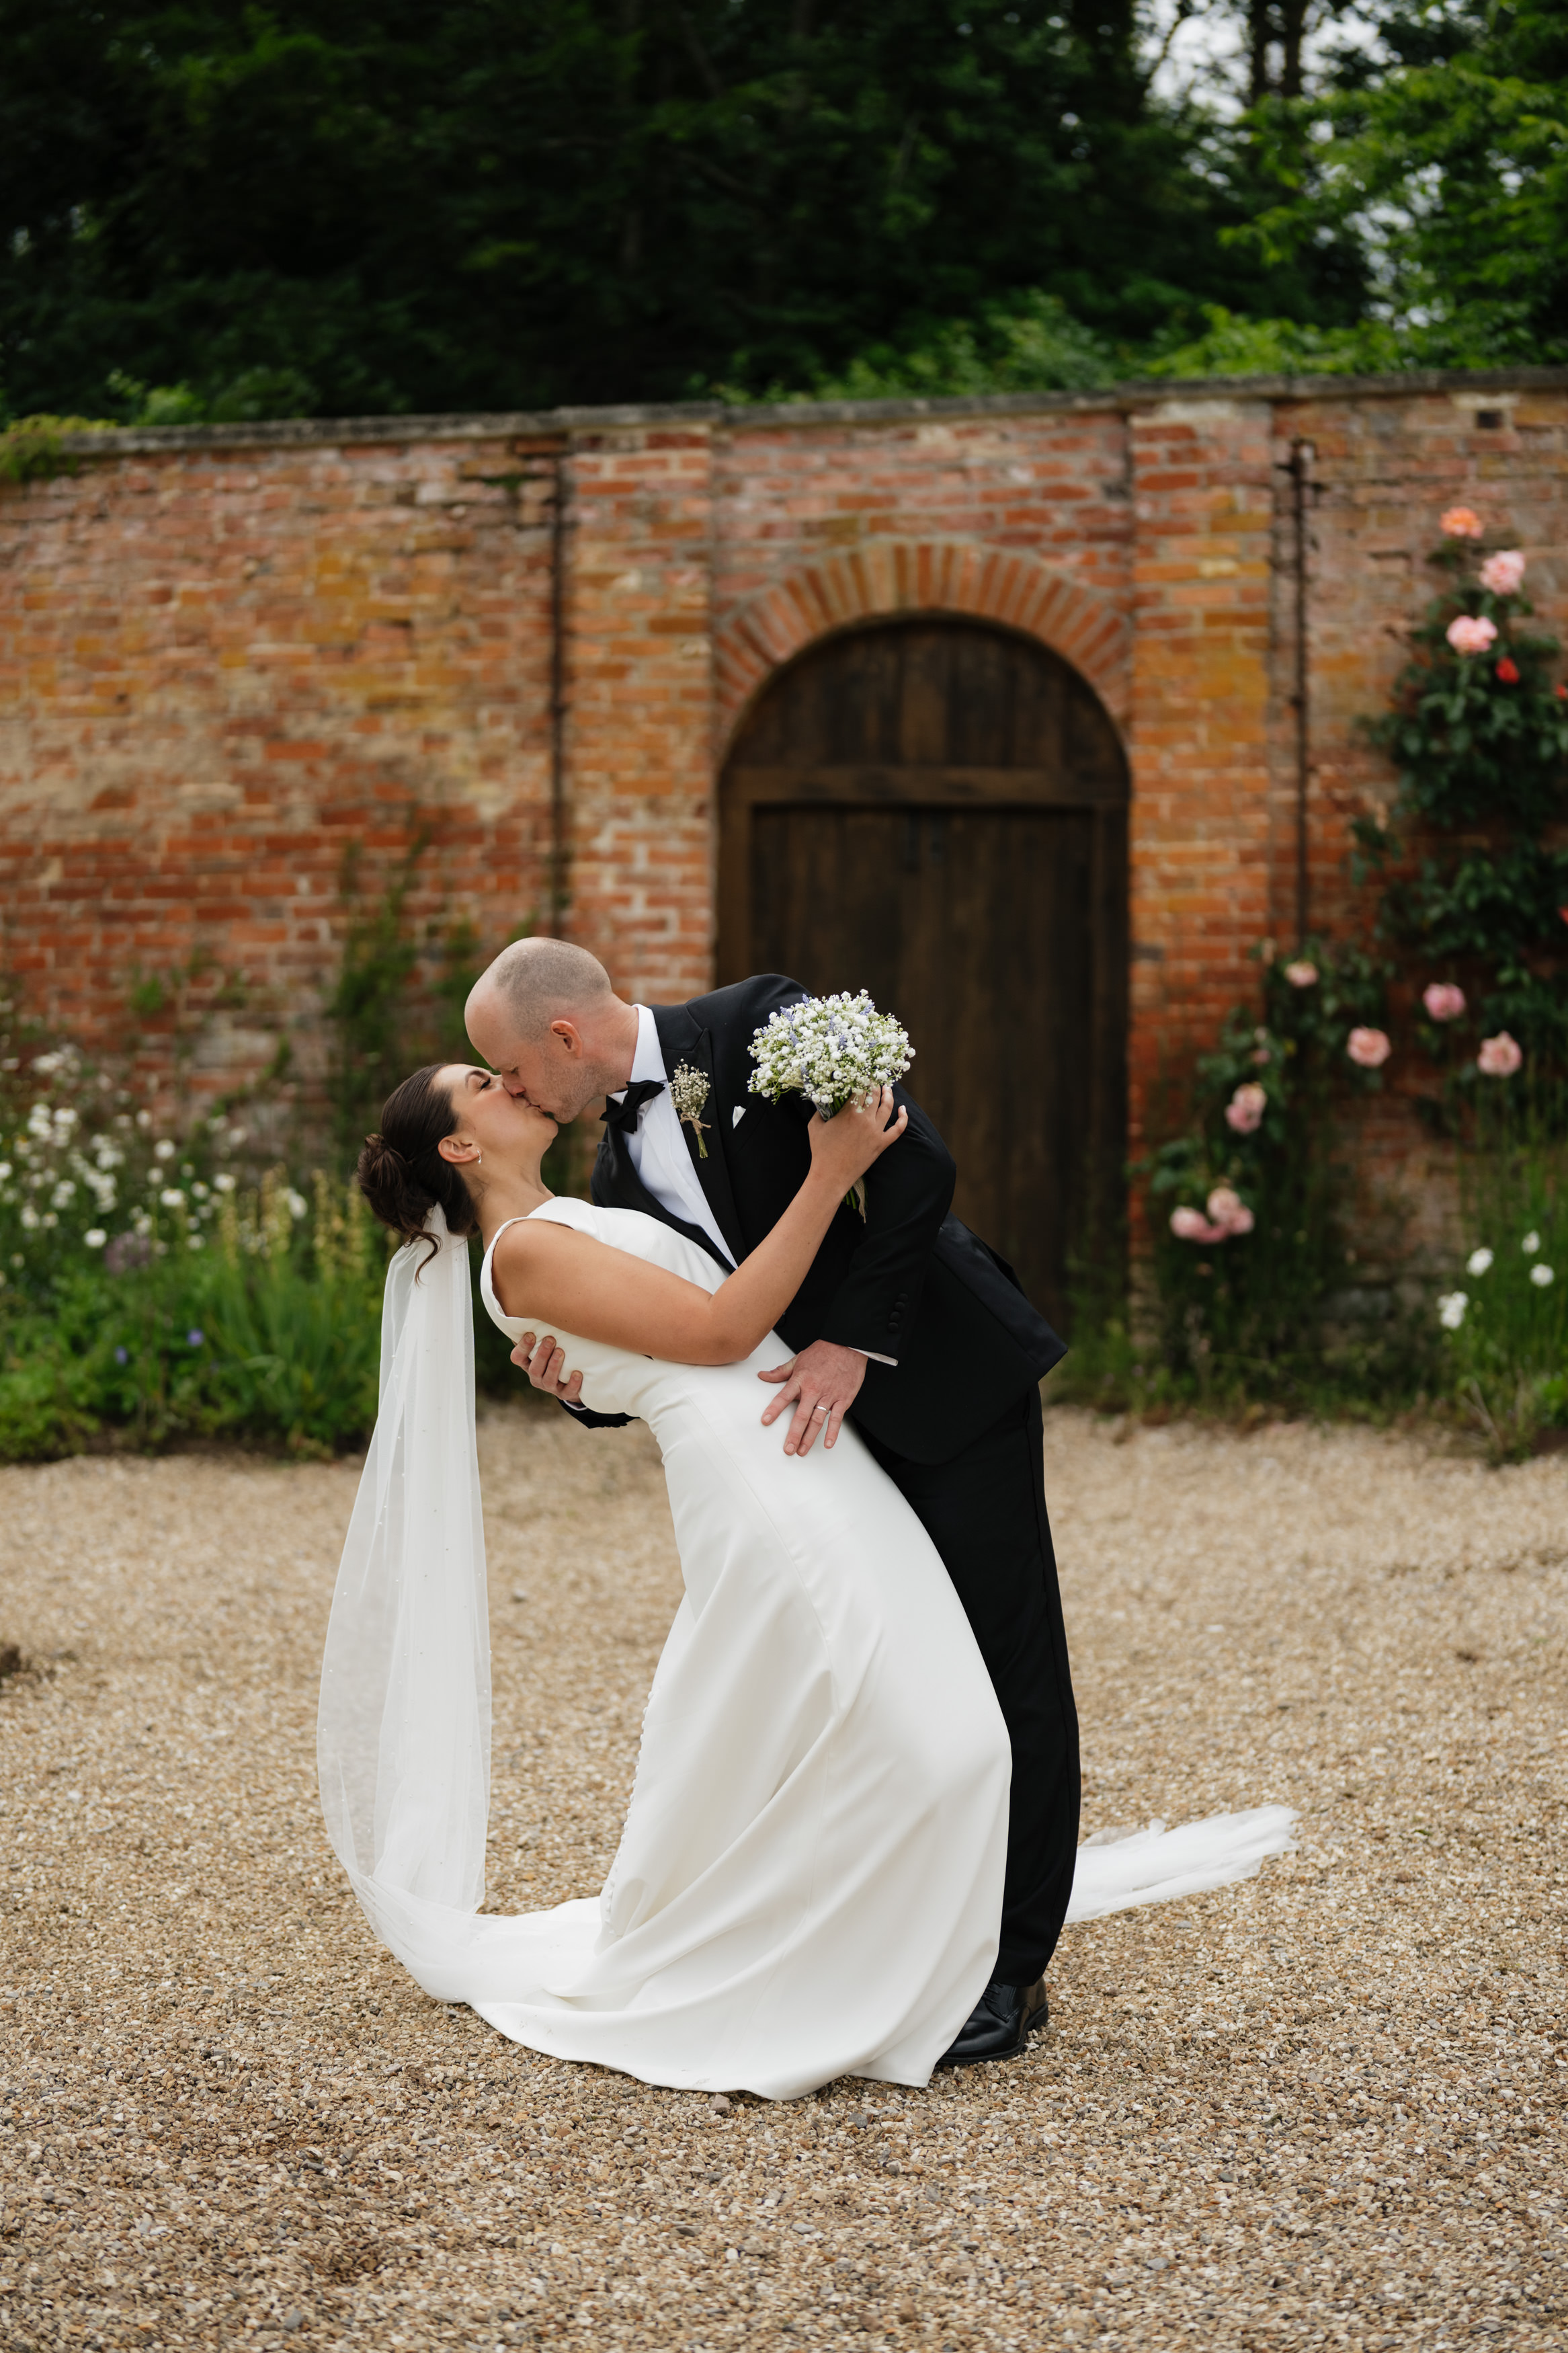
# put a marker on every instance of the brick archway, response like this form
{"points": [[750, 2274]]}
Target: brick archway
{"points": [[893, 577]]}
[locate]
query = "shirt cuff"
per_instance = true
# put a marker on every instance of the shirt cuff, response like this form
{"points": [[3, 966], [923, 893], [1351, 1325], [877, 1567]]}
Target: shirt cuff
{"points": [[870, 1355]]}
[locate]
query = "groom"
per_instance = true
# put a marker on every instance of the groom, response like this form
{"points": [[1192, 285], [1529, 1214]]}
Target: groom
{"points": [[907, 1323]]}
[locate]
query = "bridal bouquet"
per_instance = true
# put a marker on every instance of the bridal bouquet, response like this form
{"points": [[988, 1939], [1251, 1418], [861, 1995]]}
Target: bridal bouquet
{"points": [[835, 1051]]}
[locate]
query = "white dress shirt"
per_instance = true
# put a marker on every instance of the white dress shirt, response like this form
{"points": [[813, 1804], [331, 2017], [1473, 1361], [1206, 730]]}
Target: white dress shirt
{"points": [[660, 1153], [658, 1150]]}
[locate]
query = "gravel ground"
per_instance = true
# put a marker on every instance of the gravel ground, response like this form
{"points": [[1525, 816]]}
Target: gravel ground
{"points": [[1324, 2108]]}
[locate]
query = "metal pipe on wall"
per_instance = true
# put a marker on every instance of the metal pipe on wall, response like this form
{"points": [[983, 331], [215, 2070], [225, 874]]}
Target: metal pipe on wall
{"points": [[559, 523], [1300, 470]]}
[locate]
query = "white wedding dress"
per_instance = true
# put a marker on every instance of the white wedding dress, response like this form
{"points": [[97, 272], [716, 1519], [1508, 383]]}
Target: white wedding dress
{"points": [[809, 1880]]}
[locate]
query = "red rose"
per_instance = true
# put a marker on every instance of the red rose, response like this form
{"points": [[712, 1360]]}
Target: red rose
{"points": [[1507, 672], [1561, 692]]}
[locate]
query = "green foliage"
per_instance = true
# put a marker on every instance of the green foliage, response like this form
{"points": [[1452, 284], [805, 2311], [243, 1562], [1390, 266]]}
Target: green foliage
{"points": [[256, 392], [152, 1288], [1449, 166], [264, 209], [260, 1328], [32, 448], [398, 998], [1480, 743], [148, 1283], [370, 1005], [1233, 346], [1506, 1319], [1031, 342], [1244, 1309], [160, 1282]]}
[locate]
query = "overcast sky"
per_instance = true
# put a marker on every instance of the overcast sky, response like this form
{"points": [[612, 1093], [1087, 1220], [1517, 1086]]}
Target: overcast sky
{"points": [[1207, 57]]}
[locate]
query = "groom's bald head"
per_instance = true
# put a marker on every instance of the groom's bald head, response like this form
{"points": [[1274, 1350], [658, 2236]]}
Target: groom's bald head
{"points": [[533, 980], [545, 1017]]}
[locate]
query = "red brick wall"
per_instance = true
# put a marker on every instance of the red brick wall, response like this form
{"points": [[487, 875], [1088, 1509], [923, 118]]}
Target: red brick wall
{"points": [[223, 663]]}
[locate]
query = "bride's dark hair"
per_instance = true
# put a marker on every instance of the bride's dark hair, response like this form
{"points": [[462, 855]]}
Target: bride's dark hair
{"points": [[401, 1173]]}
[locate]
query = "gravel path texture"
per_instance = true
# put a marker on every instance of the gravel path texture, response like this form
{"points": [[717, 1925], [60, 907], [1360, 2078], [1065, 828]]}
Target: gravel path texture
{"points": [[1324, 2108]]}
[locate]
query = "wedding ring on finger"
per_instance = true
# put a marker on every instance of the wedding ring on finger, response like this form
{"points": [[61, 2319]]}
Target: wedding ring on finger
{"points": [[818, 1408]]}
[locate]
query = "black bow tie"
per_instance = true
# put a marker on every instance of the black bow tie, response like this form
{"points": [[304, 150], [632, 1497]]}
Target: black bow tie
{"points": [[628, 1110]]}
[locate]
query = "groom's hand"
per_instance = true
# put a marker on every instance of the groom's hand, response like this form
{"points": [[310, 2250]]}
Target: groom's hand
{"points": [[822, 1383], [545, 1365]]}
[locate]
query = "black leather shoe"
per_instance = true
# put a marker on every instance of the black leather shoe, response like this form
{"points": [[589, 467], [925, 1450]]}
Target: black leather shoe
{"points": [[999, 2025]]}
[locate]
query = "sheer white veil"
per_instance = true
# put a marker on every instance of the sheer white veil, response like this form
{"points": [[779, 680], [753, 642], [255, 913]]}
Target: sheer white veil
{"points": [[403, 1734]]}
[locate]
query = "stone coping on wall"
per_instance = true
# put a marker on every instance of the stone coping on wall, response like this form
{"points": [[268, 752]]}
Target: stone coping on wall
{"points": [[562, 423]]}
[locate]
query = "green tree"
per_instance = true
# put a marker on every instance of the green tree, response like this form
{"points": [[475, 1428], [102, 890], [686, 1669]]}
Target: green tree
{"points": [[308, 206], [1446, 159]]}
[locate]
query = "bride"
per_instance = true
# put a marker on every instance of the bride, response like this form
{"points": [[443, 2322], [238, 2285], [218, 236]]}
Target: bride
{"points": [[809, 1880]]}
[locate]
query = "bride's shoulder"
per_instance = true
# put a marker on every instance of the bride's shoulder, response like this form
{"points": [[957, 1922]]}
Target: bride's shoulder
{"points": [[564, 1209], [522, 1238]]}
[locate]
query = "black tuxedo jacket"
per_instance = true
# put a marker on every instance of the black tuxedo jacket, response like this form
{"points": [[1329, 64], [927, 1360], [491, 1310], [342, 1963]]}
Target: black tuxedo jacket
{"points": [[907, 1281]]}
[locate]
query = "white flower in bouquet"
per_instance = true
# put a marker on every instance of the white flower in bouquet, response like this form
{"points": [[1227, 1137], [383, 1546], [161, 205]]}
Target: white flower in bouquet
{"points": [[835, 1051]]}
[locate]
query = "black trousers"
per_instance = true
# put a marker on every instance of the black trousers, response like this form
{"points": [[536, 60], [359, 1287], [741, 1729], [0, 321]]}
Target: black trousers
{"points": [[985, 1513]]}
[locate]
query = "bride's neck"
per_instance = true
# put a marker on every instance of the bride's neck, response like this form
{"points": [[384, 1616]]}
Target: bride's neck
{"points": [[509, 1193]]}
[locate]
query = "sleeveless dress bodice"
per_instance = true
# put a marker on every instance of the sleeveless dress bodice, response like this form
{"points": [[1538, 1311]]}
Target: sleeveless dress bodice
{"points": [[617, 1381]]}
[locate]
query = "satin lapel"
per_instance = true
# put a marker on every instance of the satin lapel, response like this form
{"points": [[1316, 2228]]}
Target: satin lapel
{"points": [[681, 1040]]}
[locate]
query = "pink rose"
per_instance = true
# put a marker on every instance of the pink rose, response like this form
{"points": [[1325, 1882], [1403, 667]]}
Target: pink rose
{"points": [[1500, 1056], [1192, 1225], [1244, 1112], [1462, 522], [1228, 1211], [1502, 572], [1471, 633], [1302, 974], [1443, 1001], [1370, 1048]]}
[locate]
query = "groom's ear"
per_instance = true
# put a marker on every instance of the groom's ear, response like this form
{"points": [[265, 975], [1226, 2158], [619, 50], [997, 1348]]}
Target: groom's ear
{"points": [[568, 1038]]}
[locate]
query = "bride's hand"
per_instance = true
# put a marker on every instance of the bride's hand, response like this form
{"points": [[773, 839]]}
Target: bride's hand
{"points": [[843, 1148]]}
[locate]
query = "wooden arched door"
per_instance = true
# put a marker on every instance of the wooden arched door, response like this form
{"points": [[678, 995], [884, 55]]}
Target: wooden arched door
{"points": [[936, 810]]}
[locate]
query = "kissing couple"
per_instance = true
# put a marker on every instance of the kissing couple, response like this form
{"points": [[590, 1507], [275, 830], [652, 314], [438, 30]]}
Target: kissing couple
{"points": [[852, 1839]]}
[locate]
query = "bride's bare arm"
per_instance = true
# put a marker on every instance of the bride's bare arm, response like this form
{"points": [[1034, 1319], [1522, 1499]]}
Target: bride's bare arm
{"points": [[569, 1281]]}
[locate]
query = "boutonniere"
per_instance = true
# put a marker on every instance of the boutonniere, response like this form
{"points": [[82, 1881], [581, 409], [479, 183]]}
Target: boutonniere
{"points": [[688, 1090]]}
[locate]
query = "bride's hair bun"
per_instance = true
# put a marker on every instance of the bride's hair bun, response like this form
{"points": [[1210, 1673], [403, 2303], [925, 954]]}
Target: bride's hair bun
{"points": [[401, 1172]]}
